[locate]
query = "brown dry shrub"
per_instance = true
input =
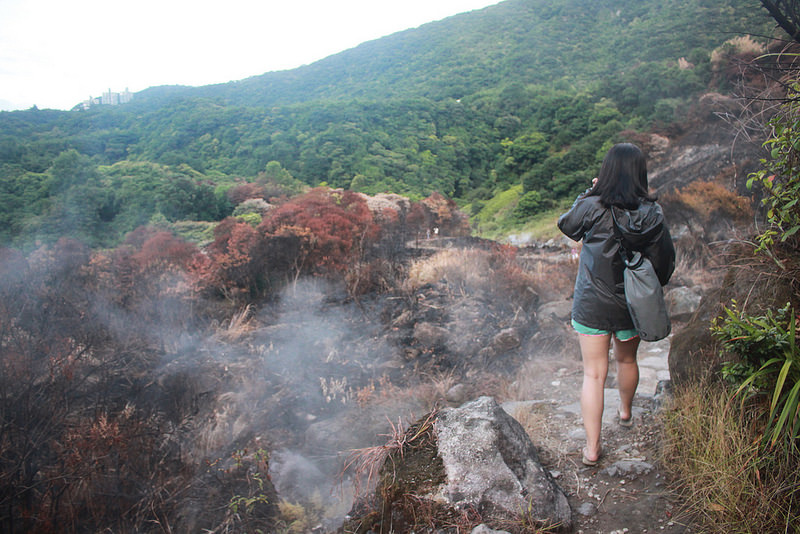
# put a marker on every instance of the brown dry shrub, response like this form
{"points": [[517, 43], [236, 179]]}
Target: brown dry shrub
{"points": [[710, 200], [741, 46], [472, 271], [711, 213], [511, 280], [734, 60]]}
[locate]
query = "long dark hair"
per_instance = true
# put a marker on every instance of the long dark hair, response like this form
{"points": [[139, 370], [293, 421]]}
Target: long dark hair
{"points": [[622, 180]]}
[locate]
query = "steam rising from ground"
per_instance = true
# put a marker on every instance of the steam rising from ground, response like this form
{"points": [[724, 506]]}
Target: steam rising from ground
{"points": [[282, 377]]}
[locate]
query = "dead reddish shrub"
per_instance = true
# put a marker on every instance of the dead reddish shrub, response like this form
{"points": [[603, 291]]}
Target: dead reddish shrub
{"points": [[339, 223]]}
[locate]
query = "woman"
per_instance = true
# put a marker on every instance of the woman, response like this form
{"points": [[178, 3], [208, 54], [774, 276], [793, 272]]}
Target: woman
{"points": [[599, 311]]}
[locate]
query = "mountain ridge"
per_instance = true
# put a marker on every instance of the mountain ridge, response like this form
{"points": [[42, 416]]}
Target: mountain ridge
{"points": [[357, 71]]}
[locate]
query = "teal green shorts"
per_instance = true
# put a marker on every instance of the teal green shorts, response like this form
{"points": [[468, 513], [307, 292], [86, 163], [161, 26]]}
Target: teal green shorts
{"points": [[622, 335]]}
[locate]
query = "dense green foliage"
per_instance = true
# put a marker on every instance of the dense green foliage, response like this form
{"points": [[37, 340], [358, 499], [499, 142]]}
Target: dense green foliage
{"points": [[524, 92], [779, 178]]}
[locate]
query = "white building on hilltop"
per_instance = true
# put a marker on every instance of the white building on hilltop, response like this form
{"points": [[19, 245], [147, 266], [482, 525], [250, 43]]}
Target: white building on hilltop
{"points": [[109, 98]]}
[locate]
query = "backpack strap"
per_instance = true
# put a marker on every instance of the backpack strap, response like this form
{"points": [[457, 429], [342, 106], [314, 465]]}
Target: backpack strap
{"points": [[630, 258]]}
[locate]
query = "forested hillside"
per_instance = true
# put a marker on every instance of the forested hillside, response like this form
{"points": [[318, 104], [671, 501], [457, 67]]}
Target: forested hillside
{"points": [[573, 43], [516, 99]]}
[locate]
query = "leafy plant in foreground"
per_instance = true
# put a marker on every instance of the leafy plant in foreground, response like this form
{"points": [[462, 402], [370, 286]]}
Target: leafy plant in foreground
{"points": [[770, 365]]}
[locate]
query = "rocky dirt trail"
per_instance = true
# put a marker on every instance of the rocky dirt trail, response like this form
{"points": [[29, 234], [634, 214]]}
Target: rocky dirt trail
{"points": [[627, 491]]}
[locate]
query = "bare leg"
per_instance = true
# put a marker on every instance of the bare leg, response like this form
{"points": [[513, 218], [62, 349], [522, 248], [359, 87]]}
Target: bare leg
{"points": [[627, 374], [594, 350]]}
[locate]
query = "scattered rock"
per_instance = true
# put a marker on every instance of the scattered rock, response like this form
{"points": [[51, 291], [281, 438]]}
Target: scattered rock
{"points": [[663, 394], [682, 302], [506, 340], [457, 394], [558, 311], [587, 509], [429, 335], [628, 468], [483, 529]]}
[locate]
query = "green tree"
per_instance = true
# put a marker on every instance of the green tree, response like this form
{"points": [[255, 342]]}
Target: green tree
{"points": [[520, 155], [183, 199], [22, 197], [71, 168], [274, 173], [529, 205]]}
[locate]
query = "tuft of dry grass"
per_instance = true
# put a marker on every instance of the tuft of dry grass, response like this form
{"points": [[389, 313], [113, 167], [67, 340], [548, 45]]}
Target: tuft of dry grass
{"points": [[743, 45], [432, 391], [367, 463], [240, 325], [711, 448]]}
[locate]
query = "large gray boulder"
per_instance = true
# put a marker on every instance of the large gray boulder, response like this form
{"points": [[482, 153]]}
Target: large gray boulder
{"points": [[474, 462], [682, 302], [492, 465]]}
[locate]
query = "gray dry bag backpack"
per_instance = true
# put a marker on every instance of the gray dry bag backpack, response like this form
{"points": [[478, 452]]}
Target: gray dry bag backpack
{"points": [[645, 298], [644, 293]]}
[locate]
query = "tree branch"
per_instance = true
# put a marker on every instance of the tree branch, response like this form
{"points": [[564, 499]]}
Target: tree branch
{"points": [[785, 16]]}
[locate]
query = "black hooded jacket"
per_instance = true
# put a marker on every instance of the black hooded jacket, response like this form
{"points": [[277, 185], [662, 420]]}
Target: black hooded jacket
{"points": [[599, 297]]}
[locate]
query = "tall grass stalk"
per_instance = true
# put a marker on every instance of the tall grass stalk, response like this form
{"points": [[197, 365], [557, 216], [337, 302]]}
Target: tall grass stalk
{"points": [[711, 447]]}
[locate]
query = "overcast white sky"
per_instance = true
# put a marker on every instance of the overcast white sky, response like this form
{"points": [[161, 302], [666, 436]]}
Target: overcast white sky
{"points": [[57, 53]]}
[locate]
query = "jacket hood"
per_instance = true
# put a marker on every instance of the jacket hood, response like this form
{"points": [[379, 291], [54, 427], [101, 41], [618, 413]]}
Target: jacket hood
{"points": [[638, 227]]}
